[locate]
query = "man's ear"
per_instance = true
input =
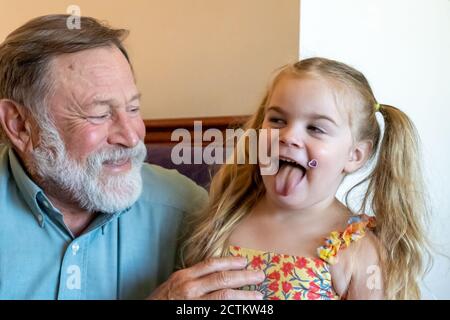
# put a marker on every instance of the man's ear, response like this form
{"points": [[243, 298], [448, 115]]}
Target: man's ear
{"points": [[16, 124], [358, 156]]}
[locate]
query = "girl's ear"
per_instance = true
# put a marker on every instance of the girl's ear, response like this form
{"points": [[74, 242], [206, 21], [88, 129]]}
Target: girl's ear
{"points": [[358, 156], [16, 125]]}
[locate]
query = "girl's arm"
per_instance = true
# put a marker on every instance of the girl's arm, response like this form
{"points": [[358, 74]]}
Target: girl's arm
{"points": [[358, 275], [367, 279]]}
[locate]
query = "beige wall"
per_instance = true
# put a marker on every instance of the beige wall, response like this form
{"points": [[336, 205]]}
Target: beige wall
{"points": [[192, 57]]}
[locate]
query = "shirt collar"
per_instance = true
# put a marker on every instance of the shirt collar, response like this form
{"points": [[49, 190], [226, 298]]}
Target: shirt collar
{"points": [[33, 195]]}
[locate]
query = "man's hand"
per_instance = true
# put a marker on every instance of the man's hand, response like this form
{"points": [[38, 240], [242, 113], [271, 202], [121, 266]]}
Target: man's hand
{"points": [[215, 278]]}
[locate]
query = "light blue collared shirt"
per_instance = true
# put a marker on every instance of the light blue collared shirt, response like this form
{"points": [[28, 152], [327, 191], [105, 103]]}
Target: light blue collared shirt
{"points": [[124, 255]]}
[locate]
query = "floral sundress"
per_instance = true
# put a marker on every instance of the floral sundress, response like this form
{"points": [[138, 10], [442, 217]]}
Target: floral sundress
{"points": [[302, 278]]}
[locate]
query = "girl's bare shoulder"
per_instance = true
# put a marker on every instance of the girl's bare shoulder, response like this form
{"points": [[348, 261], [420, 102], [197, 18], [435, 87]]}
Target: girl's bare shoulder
{"points": [[357, 273]]}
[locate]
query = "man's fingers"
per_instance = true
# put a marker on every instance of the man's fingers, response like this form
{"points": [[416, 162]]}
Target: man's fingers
{"points": [[215, 274], [228, 280], [216, 265], [230, 294]]}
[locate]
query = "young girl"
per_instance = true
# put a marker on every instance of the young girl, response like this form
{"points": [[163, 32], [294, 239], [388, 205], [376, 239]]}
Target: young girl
{"points": [[290, 225]]}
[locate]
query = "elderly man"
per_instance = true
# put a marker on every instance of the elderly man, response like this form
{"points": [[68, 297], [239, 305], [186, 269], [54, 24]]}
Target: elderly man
{"points": [[81, 216]]}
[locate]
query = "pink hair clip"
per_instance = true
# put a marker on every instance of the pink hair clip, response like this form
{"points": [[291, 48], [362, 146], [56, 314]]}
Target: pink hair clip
{"points": [[313, 163]]}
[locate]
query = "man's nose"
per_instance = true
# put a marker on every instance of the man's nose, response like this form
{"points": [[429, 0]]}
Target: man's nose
{"points": [[290, 137], [123, 132]]}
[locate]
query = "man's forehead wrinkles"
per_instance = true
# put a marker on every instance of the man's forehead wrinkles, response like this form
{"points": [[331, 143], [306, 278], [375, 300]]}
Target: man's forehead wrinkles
{"points": [[89, 74], [76, 95], [87, 83], [72, 80], [73, 105]]}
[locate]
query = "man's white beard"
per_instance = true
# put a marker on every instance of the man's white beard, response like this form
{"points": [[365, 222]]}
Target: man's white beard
{"points": [[85, 184]]}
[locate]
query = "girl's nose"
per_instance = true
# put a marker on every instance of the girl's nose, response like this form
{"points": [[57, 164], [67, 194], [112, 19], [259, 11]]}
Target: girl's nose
{"points": [[289, 138]]}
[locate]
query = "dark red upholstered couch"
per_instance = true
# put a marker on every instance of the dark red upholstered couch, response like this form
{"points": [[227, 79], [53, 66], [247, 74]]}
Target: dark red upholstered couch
{"points": [[159, 144], [160, 154]]}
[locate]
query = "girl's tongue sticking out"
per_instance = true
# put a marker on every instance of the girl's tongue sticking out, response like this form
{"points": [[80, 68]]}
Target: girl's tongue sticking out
{"points": [[288, 177]]}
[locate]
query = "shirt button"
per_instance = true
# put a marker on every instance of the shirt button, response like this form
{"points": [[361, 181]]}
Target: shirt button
{"points": [[40, 218], [75, 248]]}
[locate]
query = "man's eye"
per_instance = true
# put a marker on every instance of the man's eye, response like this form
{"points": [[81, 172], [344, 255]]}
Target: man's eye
{"points": [[98, 119], [134, 109], [102, 117]]}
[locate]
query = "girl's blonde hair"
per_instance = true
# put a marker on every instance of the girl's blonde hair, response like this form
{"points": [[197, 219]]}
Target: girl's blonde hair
{"points": [[395, 186]]}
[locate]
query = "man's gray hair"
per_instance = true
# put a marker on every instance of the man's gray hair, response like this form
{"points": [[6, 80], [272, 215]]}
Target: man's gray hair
{"points": [[26, 55]]}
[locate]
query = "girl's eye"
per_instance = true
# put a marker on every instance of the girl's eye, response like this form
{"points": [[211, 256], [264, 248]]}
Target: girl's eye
{"points": [[316, 129], [277, 121]]}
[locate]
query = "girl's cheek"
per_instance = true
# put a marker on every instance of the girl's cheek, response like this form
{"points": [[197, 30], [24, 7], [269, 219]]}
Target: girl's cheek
{"points": [[321, 153], [329, 158], [334, 159]]}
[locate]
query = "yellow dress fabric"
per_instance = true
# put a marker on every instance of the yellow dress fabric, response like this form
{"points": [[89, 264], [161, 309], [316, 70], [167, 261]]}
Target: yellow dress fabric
{"points": [[302, 278]]}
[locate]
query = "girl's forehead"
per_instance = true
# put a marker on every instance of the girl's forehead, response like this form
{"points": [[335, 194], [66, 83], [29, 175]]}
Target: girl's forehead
{"points": [[308, 94]]}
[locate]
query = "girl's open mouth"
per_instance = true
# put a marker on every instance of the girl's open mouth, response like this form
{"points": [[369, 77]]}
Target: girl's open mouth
{"points": [[290, 174]]}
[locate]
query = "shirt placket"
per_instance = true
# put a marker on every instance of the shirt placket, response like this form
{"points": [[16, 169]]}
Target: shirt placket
{"points": [[72, 284]]}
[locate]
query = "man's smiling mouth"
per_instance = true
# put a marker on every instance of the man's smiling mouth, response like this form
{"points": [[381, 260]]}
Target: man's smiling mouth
{"points": [[118, 165]]}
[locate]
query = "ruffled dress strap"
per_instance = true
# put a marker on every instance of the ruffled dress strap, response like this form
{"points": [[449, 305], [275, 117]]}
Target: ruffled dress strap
{"points": [[356, 229]]}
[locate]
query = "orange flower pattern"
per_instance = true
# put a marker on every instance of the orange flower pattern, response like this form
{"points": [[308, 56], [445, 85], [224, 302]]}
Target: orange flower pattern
{"points": [[301, 278]]}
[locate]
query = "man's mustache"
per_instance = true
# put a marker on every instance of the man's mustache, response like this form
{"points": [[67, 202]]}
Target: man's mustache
{"points": [[136, 154]]}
